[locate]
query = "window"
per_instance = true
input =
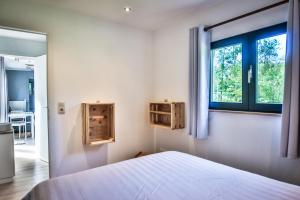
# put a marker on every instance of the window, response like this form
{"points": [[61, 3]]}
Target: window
{"points": [[247, 71], [227, 74]]}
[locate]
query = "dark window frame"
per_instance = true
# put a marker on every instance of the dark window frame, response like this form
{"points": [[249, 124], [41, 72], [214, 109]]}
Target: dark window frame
{"points": [[249, 55]]}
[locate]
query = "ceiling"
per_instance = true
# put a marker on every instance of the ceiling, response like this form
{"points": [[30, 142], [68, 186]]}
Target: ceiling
{"points": [[146, 14], [22, 35], [18, 63]]}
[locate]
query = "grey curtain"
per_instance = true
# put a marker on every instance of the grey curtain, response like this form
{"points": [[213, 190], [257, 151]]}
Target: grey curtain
{"points": [[199, 82], [290, 113], [3, 92]]}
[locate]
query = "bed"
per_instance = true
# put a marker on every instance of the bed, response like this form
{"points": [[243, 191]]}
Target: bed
{"points": [[168, 175]]}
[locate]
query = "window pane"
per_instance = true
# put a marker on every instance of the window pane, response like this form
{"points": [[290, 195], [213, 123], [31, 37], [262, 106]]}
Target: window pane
{"points": [[227, 74], [270, 69]]}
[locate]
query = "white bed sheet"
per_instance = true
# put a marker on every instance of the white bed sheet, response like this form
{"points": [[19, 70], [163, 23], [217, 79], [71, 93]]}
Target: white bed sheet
{"points": [[168, 175]]}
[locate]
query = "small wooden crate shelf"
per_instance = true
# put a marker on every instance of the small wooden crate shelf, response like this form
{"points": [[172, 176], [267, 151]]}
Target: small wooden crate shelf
{"points": [[167, 114], [98, 123]]}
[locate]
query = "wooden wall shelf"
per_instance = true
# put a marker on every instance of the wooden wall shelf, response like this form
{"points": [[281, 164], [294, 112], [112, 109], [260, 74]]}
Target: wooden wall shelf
{"points": [[167, 114], [98, 123]]}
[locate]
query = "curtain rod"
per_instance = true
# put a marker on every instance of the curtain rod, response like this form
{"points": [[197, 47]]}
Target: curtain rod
{"points": [[246, 15]]}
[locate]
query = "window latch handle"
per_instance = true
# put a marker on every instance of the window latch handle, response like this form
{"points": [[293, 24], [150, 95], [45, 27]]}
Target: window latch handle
{"points": [[250, 74]]}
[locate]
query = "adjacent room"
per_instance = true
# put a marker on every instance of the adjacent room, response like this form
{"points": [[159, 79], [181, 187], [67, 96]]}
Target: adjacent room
{"points": [[24, 140], [149, 99]]}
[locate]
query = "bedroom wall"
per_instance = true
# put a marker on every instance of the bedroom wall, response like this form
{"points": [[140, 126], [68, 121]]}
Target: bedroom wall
{"points": [[88, 60], [245, 141]]}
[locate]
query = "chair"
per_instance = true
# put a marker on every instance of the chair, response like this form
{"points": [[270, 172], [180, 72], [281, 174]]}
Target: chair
{"points": [[21, 124]]}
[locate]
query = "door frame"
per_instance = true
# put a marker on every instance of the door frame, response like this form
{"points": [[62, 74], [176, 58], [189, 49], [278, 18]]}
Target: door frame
{"points": [[47, 82]]}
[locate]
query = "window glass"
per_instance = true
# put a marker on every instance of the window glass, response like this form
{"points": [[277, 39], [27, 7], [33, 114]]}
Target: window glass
{"points": [[227, 74], [270, 69]]}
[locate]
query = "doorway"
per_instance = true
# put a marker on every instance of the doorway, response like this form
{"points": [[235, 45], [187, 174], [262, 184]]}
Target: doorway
{"points": [[24, 60]]}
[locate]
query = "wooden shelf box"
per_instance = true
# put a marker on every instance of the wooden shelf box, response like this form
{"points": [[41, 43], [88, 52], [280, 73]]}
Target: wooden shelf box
{"points": [[167, 114], [98, 123]]}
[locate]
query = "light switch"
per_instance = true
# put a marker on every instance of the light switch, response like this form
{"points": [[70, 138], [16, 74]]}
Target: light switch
{"points": [[61, 108]]}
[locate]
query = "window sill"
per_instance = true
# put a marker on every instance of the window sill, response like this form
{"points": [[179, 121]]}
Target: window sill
{"points": [[246, 112]]}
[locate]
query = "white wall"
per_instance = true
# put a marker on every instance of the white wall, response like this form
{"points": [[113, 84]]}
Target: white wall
{"points": [[88, 60], [245, 141]]}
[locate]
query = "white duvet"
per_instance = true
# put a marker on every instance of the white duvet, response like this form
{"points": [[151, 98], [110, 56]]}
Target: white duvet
{"points": [[169, 176]]}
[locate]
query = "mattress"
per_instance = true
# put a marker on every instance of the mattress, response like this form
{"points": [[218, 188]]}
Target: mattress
{"points": [[168, 175]]}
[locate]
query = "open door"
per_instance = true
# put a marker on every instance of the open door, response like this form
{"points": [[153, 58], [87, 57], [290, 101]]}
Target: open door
{"points": [[41, 107]]}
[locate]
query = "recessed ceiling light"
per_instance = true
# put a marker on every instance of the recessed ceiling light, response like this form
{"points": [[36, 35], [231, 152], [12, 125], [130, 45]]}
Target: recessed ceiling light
{"points": [[127, 9]]}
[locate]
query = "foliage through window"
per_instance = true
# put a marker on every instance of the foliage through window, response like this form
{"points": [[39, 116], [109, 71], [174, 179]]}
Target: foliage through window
{"points": [[227, 74], [247, 71], [270, 73]]}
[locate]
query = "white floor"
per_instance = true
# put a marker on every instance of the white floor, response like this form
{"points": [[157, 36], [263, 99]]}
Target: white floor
{"points": [[25, 149]]}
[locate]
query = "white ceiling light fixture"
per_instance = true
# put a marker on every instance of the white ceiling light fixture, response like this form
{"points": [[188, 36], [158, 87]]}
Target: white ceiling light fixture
{"points": [[127, 9]]}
